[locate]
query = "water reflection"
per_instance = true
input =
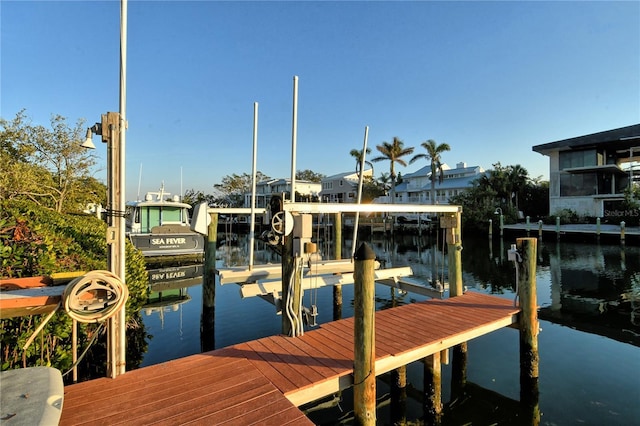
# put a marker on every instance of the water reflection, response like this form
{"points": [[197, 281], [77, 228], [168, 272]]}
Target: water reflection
{"points": [[589, 296]]}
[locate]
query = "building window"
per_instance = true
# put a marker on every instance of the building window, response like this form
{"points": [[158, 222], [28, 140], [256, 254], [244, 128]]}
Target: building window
{"points": [[573, 159], [577, 185]]}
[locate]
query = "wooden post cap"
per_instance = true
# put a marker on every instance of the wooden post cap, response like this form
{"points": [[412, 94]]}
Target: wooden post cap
{"points": [[364, 252]]}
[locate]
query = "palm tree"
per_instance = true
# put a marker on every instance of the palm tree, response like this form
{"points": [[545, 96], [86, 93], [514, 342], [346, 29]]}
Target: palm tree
{"points": [[434, 151], [357, 154], [393, 152], [518, 178]]}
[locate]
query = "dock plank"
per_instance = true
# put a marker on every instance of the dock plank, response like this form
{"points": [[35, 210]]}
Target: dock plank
{"points": [[263, 381]]}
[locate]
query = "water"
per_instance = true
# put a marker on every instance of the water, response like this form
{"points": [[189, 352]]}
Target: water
{"points": [[589, 345]]}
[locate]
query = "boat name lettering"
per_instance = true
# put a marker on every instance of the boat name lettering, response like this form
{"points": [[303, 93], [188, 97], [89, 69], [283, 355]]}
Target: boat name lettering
{"points": [[168, 275], [163, 241]]}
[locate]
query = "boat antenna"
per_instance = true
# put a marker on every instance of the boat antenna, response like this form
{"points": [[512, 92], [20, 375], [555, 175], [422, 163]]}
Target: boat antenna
{"points": [[139, 182]]}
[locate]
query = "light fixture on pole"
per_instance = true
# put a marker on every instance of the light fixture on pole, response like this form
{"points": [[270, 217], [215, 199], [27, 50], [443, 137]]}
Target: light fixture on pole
{"points": [[499, 211], [88, 142]]}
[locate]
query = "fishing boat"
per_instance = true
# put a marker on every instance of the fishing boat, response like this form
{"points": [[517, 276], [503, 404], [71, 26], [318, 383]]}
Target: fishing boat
{"points": [[159, 226]]}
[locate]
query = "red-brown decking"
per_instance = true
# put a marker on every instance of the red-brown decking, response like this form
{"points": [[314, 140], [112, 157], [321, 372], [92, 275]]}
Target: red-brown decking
{"points": [[263, 381]]}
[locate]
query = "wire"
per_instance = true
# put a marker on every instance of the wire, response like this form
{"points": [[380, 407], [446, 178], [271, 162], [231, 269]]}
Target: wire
{"points": [[91, 342]]}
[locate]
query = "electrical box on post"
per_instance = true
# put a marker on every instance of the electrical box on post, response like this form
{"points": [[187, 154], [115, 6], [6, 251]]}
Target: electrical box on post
{"points": [[302, 232], [302, 226]]}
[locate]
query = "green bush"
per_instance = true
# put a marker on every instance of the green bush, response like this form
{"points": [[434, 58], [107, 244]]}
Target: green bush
{"points": [[36, 241]]}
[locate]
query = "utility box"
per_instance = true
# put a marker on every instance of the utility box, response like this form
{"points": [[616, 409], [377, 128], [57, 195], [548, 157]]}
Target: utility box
{"points": [[303, 226], [302, 232]]}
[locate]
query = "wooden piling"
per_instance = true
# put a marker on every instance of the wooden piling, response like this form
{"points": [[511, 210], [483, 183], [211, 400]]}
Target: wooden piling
{"points": [[364, 373], [207, 320], [288, 271], [454, 245], [398, 392], [432, 404], [529, 358], [337, 247]]}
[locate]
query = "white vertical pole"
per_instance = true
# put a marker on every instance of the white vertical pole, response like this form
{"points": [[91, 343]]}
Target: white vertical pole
{"points": [[120, 193], [362, 163], [294, 138], [252, 224]]}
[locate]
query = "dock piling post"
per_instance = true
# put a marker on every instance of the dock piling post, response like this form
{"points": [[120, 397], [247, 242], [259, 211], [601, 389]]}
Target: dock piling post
{"points": [[490, 228], [598, 228], [528, 224], [364, 373], [398, 393], [529, 357], [558, 226], [207, 326], [540, 230], [432, 404], [622, 228], [337, 247]]}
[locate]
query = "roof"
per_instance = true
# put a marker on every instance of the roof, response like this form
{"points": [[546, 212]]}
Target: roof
{"points": [[346, 175], [626, 137]]}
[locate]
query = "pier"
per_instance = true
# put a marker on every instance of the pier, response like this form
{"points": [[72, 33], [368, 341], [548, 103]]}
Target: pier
{"points": [[265, 380]]}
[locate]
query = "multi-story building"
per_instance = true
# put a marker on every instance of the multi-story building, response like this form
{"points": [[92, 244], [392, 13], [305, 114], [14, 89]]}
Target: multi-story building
{"points": [[416, 187], [265, 189], [341, 188], [588, 174]]}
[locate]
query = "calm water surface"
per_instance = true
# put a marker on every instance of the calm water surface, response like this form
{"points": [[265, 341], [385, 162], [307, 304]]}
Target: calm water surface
{"points": [[589, 345]]}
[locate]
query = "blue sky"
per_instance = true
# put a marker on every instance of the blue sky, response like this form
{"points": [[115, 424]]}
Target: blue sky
{"points": [[491, 79]]}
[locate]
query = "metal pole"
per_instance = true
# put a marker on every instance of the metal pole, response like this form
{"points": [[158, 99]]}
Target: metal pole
{"points": [[120, 191], [252, 224], [361, 179], [294, 138]]}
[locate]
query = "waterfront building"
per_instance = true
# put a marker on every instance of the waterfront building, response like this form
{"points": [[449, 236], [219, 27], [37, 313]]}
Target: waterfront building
{"points": [[588, 174], [416, 187], [267, 188], [342, 188]]}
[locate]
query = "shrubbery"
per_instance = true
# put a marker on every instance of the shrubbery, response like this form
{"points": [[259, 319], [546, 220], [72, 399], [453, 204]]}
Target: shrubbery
{"points": [[37, 241]]}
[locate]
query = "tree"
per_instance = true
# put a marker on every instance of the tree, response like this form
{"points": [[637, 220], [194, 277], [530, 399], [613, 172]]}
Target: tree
{"points": [[494, 190], [433, 155], [357, 154], [234, 187], [46, 165], [393, 152], [309, 175]]}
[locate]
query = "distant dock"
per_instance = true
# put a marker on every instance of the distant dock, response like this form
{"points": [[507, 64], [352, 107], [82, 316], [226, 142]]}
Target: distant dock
{"points": [[607, 231]]}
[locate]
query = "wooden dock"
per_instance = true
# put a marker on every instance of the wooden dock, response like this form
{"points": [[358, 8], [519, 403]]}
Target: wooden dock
{"points": [[263, 381]]}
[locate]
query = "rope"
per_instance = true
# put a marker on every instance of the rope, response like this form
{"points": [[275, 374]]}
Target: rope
{"points": [[94, 297]]}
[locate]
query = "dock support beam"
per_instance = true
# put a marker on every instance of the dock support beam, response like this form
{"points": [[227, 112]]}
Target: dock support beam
{"points": [[529, 358], [364, 371], [207, 326]]}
